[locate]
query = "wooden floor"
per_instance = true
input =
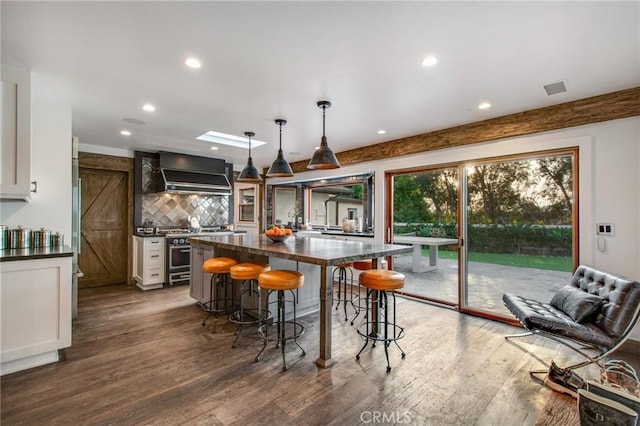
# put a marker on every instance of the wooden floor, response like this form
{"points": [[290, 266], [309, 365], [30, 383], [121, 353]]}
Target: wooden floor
{"points": [[143, 358]]}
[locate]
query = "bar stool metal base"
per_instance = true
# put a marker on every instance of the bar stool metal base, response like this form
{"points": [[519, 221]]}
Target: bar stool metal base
{"points": [[281, 330], [342, 295], [384, 329], [217, 307], [246, 317]]}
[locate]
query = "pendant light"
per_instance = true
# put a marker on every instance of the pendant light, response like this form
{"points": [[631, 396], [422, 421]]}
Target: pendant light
{"points": [[249, 173], [280, 167], [323, 157]]}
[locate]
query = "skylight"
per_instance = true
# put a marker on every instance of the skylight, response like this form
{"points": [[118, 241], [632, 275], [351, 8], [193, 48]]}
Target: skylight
{"points": [[231, 140]]}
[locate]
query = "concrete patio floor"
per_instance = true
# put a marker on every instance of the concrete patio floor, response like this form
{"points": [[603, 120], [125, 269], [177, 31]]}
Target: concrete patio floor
{"points": [[487, 283]]}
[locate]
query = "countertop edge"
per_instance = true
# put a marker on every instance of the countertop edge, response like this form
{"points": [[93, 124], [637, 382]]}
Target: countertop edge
{"points": [[12, 255]]}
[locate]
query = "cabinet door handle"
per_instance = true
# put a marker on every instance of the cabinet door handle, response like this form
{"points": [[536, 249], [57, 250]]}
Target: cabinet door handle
{"points": [[155, 255], [154, 275]]}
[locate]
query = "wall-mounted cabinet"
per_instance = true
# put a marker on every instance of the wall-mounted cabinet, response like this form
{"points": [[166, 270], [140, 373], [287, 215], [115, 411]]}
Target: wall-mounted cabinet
{"points": [[246, 205], [16, 134], [246, 199]]}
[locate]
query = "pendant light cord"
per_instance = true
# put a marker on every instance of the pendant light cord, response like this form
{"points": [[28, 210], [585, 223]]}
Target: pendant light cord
{"points": [[324, 109]]}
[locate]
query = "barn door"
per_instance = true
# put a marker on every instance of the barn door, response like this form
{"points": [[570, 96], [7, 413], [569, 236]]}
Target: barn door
{"points": [[104, 233]]}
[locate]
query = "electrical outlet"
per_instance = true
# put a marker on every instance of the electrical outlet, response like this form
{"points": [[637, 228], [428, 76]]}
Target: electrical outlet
{"points": [[604, 229]]}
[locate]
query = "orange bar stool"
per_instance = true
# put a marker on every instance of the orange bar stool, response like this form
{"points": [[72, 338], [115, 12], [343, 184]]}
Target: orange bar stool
{"points": [[345, 294], [383, 327], [281, 281], [360, 304], [247, 275], [220, 291]]}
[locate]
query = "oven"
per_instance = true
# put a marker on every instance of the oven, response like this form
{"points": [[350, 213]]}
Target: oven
{"points": [[178, 260]]}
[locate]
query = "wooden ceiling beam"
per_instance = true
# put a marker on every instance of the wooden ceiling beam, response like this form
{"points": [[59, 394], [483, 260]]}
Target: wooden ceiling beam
{"points": [[611, 106]]}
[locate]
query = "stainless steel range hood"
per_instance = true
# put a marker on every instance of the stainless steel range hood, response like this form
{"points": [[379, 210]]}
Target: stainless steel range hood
{"points": [[188, 174]]}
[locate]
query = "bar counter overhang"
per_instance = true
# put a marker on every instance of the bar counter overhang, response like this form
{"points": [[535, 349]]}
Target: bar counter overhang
{"points": [[317, 251]]}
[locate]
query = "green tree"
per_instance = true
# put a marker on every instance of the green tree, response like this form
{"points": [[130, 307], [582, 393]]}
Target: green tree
{"points": [[408, 200]]}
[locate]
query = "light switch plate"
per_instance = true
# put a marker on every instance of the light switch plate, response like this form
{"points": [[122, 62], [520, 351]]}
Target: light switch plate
{"points": [[605, 229]]}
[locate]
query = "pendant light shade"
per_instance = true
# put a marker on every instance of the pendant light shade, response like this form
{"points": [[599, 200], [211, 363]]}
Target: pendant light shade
{"points": [[323, 157], [280, 167], [249, 173]]}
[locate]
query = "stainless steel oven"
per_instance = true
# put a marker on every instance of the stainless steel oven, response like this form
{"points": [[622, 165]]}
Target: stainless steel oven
{"points": [[178, 260]]}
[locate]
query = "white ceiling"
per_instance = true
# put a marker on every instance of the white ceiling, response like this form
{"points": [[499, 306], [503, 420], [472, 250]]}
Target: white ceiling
{"points": [[267, 60]]}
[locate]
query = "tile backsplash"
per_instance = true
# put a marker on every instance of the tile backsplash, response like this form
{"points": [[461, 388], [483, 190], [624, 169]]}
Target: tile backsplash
{"points": [[174, 209]]}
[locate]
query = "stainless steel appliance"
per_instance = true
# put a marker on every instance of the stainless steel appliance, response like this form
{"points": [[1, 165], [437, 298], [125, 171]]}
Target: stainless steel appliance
{"points": [[178, 260], [76, 224]]}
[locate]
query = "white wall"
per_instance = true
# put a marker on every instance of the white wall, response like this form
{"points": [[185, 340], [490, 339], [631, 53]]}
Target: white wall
{"points": [[50, 207], [609, 154]]}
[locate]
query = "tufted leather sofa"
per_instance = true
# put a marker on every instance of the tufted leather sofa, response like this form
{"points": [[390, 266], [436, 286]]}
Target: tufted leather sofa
{"points": [[606, 329]]}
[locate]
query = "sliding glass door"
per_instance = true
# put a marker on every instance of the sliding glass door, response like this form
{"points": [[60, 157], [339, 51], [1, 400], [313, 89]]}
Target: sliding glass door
{"points": [[486, 228], [425, 211]]}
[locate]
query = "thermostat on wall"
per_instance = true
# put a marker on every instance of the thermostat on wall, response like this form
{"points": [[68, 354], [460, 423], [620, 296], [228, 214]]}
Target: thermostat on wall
{"points": [[604, 229]]}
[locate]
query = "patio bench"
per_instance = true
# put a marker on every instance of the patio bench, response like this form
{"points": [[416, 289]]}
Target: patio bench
{"points": [[595, 310]]}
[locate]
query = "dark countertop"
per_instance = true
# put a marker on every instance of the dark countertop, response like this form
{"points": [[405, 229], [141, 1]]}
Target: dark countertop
{"points": [[201, 234], [35, 253], [350, 234], [318, 251]]}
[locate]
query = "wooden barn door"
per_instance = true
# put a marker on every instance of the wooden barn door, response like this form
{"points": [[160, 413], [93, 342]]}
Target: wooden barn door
{"points": [[104, 251]]}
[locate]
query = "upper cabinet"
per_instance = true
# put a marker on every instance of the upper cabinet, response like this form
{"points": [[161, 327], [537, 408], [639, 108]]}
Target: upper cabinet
{"points": [[246, 205], [16, 134], [246, 199]]}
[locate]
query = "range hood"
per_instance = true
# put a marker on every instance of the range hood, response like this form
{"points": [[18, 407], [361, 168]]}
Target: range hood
{"points": [[187, 174]]}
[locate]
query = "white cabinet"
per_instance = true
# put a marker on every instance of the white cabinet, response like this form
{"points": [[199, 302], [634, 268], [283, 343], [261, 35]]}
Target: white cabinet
{"points": [[246, 207], [148, 262], [199, 284], [35, 306], [15, 180]]}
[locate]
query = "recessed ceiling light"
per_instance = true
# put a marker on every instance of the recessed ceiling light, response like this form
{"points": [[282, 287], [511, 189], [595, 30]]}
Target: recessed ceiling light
{"points": [[193, 63], [382, 131], [484, 105], [148, 107], [214, 148], [294, 153], [231, 140], [125, 133], [429, 61]]}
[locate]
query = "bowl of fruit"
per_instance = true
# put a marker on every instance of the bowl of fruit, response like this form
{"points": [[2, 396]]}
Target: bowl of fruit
{"points": [[278, 233]]}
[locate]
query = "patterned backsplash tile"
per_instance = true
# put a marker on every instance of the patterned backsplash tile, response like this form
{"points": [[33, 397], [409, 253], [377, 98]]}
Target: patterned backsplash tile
{"points": [[174, 209]]}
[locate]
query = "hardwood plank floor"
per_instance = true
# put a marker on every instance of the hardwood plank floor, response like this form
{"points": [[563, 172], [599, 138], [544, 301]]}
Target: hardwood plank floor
{"points": [[143, 358]]}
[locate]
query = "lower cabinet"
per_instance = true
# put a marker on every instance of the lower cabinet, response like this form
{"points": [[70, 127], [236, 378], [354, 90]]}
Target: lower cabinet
{"points": [[35, 303], [199, 285], [148, 262]]}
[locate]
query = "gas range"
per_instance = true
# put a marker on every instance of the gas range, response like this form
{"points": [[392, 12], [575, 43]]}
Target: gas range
{"points": [[179, 251]]}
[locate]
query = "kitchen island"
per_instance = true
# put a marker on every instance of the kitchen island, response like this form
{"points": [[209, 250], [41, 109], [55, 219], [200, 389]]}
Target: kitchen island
{"points": [[324, 253]]}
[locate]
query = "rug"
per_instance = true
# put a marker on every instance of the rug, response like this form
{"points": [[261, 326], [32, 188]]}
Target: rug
{"points": [[560, 409]]}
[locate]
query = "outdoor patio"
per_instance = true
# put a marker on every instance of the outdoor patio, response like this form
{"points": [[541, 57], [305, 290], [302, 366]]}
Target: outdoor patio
{"points": [[487, 282]]}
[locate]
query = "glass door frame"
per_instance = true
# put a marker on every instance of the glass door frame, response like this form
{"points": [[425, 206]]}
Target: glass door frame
{"points": [[462, 218]]}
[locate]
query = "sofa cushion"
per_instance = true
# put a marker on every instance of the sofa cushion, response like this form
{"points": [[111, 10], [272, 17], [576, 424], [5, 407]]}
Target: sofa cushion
{"points": [[578, 304]]}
